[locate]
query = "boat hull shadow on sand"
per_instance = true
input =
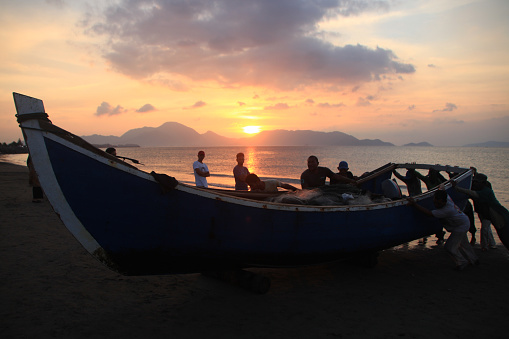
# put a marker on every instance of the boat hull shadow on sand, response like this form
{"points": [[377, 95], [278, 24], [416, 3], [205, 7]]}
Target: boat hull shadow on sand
{"points": [[127, 220]]}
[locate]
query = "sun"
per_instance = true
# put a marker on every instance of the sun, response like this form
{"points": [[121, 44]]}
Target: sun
{"points": [[251, 129]]}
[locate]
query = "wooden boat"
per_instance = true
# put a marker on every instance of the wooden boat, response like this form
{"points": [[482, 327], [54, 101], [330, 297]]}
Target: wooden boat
{"points": [[124, 218]]}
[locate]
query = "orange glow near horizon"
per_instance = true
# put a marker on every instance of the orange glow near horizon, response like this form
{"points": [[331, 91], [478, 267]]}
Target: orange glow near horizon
{"points": [[251, 129], [250, 160]]}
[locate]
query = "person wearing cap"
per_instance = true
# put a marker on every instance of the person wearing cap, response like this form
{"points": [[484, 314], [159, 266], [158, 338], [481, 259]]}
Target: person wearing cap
{"points": [[315, 176], [489, 210], [344, 172], [201, 171]]}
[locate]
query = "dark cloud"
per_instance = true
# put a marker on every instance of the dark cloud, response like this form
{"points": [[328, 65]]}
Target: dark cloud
{"points": [[146, 108], [277, 106], [260, 42], [106, 109], [411, 107], [310, 101], [448, 108]]}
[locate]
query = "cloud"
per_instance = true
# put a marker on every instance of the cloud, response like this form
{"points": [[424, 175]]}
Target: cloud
{"points": [[411, 107], [277, 106], [259, 43], [310, 101], [327, 105], [362, 102], [106, 109], [366, 101], [146, 108], [197, 104], [449, 107]]}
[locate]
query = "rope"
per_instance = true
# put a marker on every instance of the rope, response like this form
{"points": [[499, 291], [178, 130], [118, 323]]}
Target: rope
{"points": [[36, 115]]}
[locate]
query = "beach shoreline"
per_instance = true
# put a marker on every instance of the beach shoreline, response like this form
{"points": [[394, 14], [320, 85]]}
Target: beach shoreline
{"points": [[51, 287]]}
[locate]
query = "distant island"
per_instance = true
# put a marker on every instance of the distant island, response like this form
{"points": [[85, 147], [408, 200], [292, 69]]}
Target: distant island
{"points": [[173, 134], [425, 144], [489, 144]]}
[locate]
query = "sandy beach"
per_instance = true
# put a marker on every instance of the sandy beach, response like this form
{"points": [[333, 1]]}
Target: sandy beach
{"points": [[52, 288]]}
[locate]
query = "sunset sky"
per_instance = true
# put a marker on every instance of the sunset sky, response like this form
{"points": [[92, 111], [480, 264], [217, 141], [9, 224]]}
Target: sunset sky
{"points": [[397, 70]]}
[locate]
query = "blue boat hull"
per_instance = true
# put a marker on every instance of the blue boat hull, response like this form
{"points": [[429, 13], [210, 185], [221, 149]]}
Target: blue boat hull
{"points": [[145, 231], [123, 217]]}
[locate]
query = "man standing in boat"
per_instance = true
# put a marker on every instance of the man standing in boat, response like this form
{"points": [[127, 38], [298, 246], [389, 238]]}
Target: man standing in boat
{"points": [[315, 176], [201, 171], [239, 173]]}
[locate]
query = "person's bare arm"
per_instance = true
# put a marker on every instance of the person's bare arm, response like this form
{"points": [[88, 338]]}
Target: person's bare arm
{"points": [[343, 179], [472, 194], [288, 187], [202, 173], [399, 176]]}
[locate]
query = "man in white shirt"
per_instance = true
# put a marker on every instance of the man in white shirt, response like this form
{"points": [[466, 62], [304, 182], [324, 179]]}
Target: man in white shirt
{"points": [[201, 171], [456, 222]]}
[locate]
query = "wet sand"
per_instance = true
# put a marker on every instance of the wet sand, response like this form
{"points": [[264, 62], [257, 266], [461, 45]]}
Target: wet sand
{"points": [[52, 288]]}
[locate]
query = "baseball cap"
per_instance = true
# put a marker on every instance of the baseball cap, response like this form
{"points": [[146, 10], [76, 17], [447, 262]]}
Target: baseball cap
{"points": [[343, 164]]}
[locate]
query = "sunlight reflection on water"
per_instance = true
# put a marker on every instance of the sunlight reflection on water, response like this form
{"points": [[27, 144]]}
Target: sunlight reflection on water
{"points": [[287, 163]]}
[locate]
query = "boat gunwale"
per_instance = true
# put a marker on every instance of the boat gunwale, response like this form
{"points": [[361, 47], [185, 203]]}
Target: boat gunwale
{"points": [[232, 196]]}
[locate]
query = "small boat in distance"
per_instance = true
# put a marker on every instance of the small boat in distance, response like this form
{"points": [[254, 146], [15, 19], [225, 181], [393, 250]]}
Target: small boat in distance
{"points": [[127, 220]]}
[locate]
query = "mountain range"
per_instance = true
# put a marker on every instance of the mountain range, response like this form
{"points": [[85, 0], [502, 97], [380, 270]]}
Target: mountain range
{"points": [[419, 144], [173, 134], [490, 144]]}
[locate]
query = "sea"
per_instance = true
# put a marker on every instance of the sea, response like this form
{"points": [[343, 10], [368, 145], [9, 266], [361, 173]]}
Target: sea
{"points": [[286, 163]]}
